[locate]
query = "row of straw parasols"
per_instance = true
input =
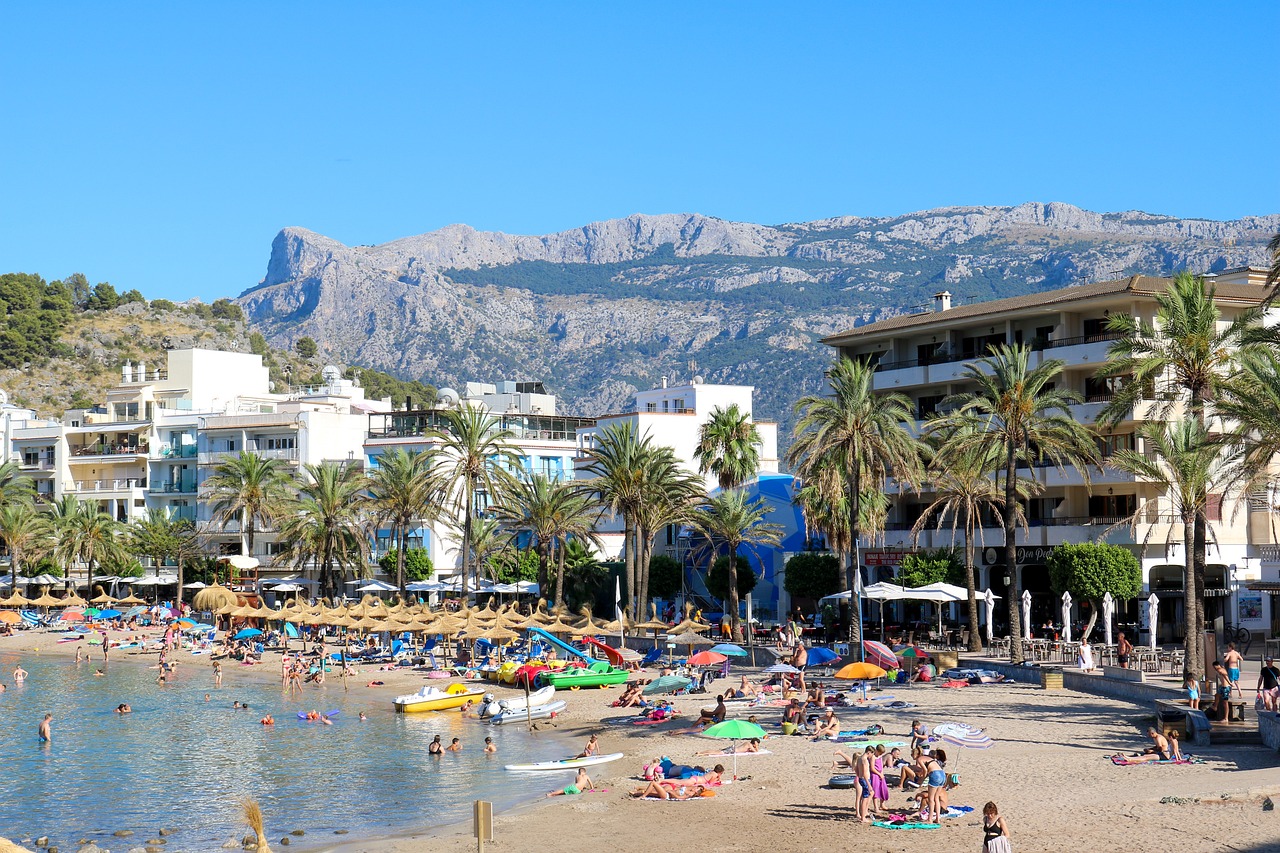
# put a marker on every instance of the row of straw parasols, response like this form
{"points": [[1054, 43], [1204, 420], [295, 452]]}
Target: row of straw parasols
{"points": [[371, 615], [17, 599]]}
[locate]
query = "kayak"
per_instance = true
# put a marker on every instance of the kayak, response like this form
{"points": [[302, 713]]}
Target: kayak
{"points": [[518, 703], [524, 715], [567, 763]]}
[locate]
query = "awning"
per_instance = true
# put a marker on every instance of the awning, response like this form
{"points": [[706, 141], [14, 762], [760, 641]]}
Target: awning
{"points": [[1263, 586]]}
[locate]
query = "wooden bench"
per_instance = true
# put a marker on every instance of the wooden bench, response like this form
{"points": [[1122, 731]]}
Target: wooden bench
{"points": [[1123, 674]]}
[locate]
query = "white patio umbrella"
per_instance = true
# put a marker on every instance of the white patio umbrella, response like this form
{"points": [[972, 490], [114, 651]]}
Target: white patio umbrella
{"points": [[377, 586], [1108, 610], [1026, 614], [989, 598], [194, 585], [1066, 617], [1153, 607]]}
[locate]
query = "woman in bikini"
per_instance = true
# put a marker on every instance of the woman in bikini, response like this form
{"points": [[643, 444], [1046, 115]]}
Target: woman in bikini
{"points": [[995, 832]]}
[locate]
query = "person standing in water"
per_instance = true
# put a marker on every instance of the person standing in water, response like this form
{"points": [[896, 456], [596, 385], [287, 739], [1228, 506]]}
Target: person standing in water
{"points": [[19, 675], [46, 732]]}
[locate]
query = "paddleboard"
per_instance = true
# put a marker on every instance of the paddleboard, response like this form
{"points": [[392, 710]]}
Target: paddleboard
{"points": [[567, 763]]}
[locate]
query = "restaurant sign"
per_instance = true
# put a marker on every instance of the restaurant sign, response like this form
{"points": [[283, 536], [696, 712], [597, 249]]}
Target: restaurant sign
{"points": [[1024, 555]]}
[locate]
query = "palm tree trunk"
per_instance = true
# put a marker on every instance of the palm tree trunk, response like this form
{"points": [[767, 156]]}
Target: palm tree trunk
{"points": [[975, 637], [734, 626], [1011, 553], [644, 553], [852, 570], [629, 557], [466, 540], [402, 536], [1193, 655], [559, 549], [1200, 537]]}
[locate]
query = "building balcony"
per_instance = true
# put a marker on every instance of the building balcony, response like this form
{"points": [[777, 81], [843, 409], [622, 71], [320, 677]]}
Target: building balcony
{"points": [[216, 457], [184, 487], [109, 450], [124, 484], [182, 451], [1086, 349], [37, 465]]}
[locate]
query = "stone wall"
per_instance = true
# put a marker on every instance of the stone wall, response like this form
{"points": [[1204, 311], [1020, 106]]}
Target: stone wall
{"points": [[1269, 728]]}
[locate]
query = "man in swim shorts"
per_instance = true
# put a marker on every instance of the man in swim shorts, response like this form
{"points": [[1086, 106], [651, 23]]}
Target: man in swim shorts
{"points": [[1233, 659], [46, 733], [1160, 751], [1124, 648], [862, 770], [581, 782], [19, 675]]}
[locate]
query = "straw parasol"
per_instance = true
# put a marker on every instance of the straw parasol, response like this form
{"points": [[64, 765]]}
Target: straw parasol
{"points": [[213, 597], [74, 600], [688, 638], [17, 599], [653, 623], [47, 600], [101, 598], [131, 599]]}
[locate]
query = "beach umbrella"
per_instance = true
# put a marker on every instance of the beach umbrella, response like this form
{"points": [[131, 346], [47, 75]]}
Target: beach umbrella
{"points": [[195, 585], [47, 600], [17, 599], [707, 658], [730, 649], [820, 655], [246, 633], [71, 616], [860, 671], [1066, 617], [879, 654], [666, 684], [91, 611], [109, 613], [989, 599], [213, 597], [1108, 610], [735, 730], [688, 639], [101, 598], [11, 617], [914, 652], [782, 667], [1153, 610]]}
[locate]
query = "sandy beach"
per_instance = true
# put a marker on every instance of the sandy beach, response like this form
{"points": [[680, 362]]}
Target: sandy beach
{"points": [[1048, 772]]}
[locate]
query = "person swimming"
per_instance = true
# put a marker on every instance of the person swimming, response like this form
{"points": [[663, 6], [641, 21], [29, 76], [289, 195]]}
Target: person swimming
{"points": [[122, 708]]}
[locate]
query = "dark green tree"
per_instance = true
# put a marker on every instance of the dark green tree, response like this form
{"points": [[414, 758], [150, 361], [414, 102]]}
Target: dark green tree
{"points": [[417, 564], [306, 347], [812, 575], [718, 577], [225, 309], [942, 565], [1089, 570], [102, 298], [666, 576]]}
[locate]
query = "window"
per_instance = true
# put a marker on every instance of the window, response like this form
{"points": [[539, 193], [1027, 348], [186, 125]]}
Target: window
{"points": [[1095, 328], [1213, 508], [31, 458], [287, 442], [273, 549], [1112, 507], [929, 405], [1108, 445]]}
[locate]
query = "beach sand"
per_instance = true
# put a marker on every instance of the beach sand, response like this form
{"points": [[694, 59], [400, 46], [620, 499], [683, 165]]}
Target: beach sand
{"points": [[1048, 772]]}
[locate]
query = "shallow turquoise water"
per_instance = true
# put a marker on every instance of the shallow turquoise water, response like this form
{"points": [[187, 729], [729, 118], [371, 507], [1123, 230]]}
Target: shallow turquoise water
{"points": [[179, 761]]}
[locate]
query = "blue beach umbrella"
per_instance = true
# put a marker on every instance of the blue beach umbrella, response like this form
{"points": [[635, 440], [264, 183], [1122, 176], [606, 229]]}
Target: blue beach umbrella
{"points": [[245, 633], [730, 650], [109, 613], [819, 655]]}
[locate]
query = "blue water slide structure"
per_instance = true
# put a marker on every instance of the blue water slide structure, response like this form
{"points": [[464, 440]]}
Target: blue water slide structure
{"points": [[560, 644]]}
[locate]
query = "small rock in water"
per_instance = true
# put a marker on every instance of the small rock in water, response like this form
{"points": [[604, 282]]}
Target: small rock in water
{"points": [[341, 831], [52, 849], [164, 832], [42, 841], [230, 843], [285, 841], [157, 841], [298, 832], [122, 833], [137, 850]]}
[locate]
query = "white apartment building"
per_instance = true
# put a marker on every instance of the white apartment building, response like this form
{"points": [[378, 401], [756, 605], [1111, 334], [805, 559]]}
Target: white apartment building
{"points": [[924, 356], [673, 415], [547, 444], [160, 432]]}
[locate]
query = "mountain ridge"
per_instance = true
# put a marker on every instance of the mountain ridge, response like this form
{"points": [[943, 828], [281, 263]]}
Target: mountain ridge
{"points": [[601, 310]]}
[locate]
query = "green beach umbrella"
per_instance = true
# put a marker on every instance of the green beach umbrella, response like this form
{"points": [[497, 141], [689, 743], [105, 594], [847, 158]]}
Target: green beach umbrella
{"points": [[735, 730], [666, 684]]}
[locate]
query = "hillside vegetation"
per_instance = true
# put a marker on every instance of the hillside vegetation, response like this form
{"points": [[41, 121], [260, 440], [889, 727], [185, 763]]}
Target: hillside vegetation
{"points": [[62, 342]]}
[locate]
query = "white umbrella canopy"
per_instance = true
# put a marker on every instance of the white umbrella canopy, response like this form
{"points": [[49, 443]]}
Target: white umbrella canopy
{"points": [[1108, 610], [989, 598], [1026, 614], [377, 586], [1153, 611], [240, 561], [194, 585], [1066, 617]]}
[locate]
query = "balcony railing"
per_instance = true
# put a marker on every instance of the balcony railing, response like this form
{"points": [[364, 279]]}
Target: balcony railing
{"points": [[214, 457], [110, 450], [183, 487], [37, 465], [118, 485], [1102, 337], [182, 451], [521, 426]]}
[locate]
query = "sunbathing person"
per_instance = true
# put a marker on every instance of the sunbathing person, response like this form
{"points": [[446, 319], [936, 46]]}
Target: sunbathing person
{"points": [[1159, 751], [671, 791], [715, 715], [752, 745], [828, 726], [818, 697]]}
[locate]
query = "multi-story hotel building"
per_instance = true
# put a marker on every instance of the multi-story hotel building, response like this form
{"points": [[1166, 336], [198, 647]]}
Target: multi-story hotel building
{"points": [[924, 356]]}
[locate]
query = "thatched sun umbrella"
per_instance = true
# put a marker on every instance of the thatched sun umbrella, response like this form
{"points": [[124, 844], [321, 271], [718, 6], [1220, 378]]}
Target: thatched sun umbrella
{"points": [[212, 597], [131, 599], [16, 599], [101, 598], [74, 600], [47, 600]]}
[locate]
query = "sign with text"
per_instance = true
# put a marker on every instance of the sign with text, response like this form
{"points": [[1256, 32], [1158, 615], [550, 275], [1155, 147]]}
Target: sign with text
{"points": [[883, 558], [1023, 555]]}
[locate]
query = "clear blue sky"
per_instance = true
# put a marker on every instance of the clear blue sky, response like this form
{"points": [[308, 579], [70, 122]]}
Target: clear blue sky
{"points": [[163, 146]]}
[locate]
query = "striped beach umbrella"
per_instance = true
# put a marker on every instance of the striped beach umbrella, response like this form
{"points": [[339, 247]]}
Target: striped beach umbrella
{"points": [[880, 654]]}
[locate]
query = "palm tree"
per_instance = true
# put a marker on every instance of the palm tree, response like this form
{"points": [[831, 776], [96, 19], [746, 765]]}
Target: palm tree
{"points": [[325, 527], [550, 513], [616, 462], [729, 447], [729, 521], [249, 489], [476, 455], [1250, 399], [26, 532], [1184, 357], [14, 486], [668, 496], [1020, 417], [161, 537], [487, 543], [402, 493], [963, 487], [90, 536], [1273, 276], [1187, 465], [860, 434]]}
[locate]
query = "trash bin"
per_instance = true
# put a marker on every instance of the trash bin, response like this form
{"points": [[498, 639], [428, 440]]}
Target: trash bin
{"points": [[1051, 679]]}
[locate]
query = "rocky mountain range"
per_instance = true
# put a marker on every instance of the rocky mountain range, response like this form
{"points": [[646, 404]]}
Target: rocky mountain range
{"points": [[602, 310]]}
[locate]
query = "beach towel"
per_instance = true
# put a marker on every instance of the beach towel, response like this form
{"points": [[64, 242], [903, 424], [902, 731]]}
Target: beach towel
{"points": [[857, 733], [1122, 761], [740, 754], [885, 824], [863, 744], [954, 683]]}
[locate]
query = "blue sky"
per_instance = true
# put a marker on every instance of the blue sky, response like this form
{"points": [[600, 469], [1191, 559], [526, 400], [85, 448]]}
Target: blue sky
{"points": [[163, 146]]}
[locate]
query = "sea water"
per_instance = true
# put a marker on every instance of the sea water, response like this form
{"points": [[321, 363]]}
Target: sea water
{"points": [[181, 762]]}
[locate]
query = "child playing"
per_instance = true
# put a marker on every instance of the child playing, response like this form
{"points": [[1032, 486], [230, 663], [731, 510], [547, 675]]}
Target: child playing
{"points": [[1193, 692]]}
